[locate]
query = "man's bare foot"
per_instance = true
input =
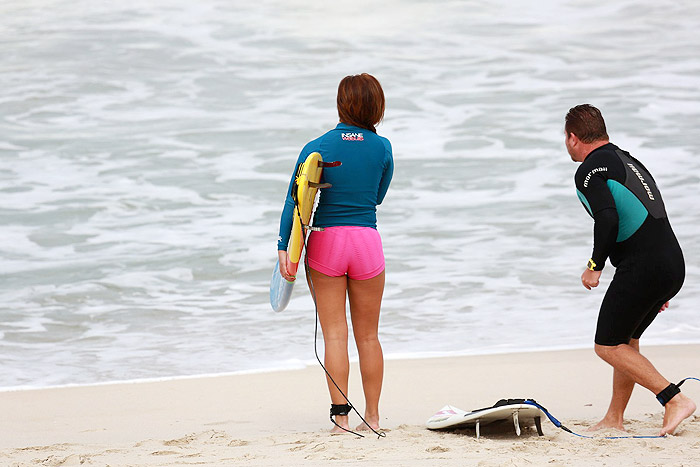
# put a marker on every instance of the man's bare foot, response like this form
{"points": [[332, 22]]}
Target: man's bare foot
{"points": [[341, 420], [677, 409], [607, 423]]}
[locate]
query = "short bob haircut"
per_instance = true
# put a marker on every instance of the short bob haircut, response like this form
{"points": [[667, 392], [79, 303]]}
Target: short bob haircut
{"points": [[586, 122], [361, 101]]}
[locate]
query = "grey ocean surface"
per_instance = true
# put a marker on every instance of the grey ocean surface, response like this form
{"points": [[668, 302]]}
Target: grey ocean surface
{"points": [[146, 148]]}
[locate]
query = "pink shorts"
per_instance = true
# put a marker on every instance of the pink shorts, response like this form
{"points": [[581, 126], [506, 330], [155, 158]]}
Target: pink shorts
{"points": [[355, 251]]}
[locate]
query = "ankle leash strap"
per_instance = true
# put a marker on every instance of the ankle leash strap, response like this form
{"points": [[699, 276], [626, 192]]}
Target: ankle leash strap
{"points": [[667, 394], [340, 409]]}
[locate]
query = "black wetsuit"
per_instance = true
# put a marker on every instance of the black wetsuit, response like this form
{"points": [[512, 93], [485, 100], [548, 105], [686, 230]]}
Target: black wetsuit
{"points": [[632, 229]]}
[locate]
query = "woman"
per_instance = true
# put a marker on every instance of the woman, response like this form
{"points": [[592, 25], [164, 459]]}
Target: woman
{"points": [[346, 257]]}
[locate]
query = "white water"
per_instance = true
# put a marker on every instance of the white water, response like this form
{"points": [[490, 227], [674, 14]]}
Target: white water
{"points": [[145, 149]]}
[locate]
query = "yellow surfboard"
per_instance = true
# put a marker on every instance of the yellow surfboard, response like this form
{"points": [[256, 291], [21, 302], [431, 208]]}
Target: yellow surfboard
{"points": [[305, 190]]}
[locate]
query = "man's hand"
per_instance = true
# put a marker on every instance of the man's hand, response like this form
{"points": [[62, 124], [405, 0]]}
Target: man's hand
{"points": [[590, 278], [664, 306]]}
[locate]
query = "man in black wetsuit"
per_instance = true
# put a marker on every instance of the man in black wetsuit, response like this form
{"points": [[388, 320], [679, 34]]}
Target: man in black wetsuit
{"points": [[632, 229]]}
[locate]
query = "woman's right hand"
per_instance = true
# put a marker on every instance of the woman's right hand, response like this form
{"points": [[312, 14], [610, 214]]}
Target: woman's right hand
{"points": [[283, 258]]}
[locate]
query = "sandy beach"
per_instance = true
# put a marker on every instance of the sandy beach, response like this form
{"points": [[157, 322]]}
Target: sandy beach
{"points": [[281, 418]]}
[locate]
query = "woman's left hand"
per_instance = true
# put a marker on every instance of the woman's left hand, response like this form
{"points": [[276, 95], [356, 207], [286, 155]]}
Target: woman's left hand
{"points": [[283, 257]]}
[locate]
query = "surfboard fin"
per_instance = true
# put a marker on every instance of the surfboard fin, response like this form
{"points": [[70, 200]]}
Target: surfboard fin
{"points": [[538, 425]]}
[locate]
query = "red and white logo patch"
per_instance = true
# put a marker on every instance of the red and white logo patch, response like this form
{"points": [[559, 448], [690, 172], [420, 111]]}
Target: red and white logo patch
{"points": [[352, 137]]}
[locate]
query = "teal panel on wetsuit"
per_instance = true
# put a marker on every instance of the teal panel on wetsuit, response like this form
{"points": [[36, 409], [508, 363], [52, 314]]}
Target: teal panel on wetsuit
{"points": [[630, 211], [584, 201]]}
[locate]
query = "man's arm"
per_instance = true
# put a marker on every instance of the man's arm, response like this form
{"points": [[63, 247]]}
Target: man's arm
{"points": [[604, 234], [591, 183]]}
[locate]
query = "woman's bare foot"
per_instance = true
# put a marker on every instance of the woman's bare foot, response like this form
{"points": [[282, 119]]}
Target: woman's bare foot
{"points": [[608, 422], [372, 424], [341, 420], [677, 409]]}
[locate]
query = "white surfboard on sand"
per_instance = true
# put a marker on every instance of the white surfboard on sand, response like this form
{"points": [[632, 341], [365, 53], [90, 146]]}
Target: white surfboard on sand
{"points": [[450, 417]]}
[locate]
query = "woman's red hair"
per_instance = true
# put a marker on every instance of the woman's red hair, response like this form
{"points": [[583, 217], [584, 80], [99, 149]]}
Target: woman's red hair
{"points": [[361, 101]]}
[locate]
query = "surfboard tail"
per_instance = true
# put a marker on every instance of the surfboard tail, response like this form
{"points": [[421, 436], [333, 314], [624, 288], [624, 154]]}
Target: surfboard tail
{"points": [[280, 290]]}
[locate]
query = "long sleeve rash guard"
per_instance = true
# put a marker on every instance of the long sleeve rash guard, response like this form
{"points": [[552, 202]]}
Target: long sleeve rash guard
{"points": [[358, 185]]}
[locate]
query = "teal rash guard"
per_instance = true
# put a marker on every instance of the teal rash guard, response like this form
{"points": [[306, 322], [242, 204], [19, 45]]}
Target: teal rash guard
{"points": [[358, 185]]}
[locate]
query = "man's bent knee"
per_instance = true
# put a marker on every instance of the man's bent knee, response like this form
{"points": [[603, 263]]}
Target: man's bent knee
{"points": [[607, 351]]}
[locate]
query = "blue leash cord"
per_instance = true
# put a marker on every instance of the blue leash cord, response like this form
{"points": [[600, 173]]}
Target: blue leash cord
{"points": [[558, 424]]}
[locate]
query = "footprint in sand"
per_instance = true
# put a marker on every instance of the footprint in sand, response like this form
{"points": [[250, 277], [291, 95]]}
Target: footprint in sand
{"points": [[53, 461], [164, 453], [437, 448], [238, 442]]}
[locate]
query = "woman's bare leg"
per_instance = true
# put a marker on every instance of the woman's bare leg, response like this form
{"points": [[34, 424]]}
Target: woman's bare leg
{"points": [[365, 303], [330, 300]]}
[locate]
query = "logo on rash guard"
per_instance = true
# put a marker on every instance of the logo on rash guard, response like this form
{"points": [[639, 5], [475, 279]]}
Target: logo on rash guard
{"points": [[352, 137]]}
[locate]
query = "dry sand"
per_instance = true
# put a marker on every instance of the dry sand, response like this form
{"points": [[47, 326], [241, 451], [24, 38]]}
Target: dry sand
{"points": [[280, 418]]}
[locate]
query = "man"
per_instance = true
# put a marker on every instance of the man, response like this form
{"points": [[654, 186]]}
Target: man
{"points": [[632, 229]]}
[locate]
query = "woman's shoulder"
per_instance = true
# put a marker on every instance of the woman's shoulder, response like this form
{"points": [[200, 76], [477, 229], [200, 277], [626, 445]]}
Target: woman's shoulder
{"points": [[314, 144], [386, 142]]}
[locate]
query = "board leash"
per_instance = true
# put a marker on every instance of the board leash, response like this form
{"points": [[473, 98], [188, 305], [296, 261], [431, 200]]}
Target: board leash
{"points": [[305, 230], [559, 424]]}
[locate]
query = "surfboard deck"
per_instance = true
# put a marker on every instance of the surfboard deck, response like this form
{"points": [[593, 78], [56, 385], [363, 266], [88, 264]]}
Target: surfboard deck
{"points": [[450, 417], [280, 290]]}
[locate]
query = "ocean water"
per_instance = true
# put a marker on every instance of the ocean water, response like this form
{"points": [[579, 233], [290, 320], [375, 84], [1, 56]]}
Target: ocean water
{"points": [[145, 150]]}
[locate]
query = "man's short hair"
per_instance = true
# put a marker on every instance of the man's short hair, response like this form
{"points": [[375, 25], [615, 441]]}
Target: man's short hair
{"points": [[586, 122]]}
